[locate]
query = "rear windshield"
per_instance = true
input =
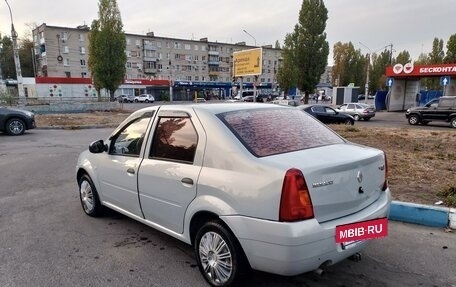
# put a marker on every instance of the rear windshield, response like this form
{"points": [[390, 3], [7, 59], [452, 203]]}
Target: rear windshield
{"points": [[267, 132]]}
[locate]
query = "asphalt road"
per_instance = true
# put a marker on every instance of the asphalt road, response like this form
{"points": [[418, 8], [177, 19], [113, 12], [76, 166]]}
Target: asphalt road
{"points": [[46, 240]]}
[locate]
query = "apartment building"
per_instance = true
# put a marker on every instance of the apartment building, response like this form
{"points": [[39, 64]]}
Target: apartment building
{"points": [[62, 52]]}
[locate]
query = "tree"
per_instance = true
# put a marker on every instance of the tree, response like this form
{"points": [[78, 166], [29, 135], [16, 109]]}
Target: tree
{"points": [[25, 54], [437, 54], [349, 65], [379, 63], [403, 58], [451, 50], [7, 59], [306, 48], [277, 44], [107, 46]]}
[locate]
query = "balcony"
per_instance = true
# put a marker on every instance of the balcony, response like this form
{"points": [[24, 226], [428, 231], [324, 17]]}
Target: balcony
{"points": [[150, 70], [213, 63], [149, 47], [214, 73], [213, 53], [150, 59]]}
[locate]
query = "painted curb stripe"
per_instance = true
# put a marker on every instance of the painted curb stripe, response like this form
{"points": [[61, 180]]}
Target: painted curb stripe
{"points": [[421, 214]]}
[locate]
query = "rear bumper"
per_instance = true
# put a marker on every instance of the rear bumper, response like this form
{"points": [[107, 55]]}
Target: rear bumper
{"points": [[299, 247]]}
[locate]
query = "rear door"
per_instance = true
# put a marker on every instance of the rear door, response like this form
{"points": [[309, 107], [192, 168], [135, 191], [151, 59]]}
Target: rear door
{"points": [[168, 176]]}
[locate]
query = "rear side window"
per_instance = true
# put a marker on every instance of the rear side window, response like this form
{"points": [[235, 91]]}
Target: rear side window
{"points": [[266, 132], [175, 139]]}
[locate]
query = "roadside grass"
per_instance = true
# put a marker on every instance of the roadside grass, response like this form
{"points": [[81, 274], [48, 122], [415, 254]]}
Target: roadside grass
{"points": [[422, 163]]}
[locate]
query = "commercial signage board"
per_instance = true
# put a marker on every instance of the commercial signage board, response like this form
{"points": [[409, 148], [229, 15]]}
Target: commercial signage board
{"points": [[410, 70], [248, 62]]}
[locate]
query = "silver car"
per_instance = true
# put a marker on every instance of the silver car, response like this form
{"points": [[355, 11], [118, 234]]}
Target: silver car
{"points": [[358, 111], [245, 194]]}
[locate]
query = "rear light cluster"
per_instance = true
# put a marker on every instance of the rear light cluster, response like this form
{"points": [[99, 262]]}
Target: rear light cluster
{"points": [[385, 182], [295, 203]]}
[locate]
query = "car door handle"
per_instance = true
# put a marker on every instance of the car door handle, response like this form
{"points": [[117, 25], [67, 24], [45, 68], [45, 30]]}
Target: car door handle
{"points": [[187, 180], [131, 171]]}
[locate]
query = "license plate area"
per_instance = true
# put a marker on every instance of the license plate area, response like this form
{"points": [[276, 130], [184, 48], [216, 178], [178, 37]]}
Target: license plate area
{"points": [[349, 235]]}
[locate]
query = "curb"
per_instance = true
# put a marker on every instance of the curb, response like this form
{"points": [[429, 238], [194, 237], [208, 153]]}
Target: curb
{"points": [[434, 216]]}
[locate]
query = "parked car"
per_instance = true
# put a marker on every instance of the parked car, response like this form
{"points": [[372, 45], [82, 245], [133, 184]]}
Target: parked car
{"points": [[328, 115], [16, 121], [440, 109], [293, 103], [243, 193], [126, 99], [144, 98], [358, 111]]}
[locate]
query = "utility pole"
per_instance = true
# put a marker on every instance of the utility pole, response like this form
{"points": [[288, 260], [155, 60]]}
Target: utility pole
{"points": [[17, 62]]}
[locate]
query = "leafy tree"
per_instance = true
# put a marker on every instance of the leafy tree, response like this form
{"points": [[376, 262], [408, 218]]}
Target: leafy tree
{"points": [[349, 65], [451, 50], [107, 45], [377, 80], [403, 58], [423, 59], [277, 44], [7, 58], [25, 54], [306, 48], [437, 54]]}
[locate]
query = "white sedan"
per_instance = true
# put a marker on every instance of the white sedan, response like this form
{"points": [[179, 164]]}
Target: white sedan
{"points": [[243, 193]]}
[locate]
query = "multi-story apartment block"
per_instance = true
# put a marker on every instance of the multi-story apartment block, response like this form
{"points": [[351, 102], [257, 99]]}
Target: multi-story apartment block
{"points": [[62, 52]]}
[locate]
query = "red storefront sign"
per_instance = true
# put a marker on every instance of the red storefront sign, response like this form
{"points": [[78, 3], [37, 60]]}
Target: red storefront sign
{"points": [[409, 70]]}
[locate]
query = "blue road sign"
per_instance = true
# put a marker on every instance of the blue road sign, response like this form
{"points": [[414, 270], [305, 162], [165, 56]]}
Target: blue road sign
{"points": [[389, 82], [445, 80]]}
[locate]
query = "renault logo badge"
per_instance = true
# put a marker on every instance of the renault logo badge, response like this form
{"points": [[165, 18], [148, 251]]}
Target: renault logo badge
{"points": [[359, 177]]}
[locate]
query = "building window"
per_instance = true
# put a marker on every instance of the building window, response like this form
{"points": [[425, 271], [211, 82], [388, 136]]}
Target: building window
{"points": [[66, 62], [196, 47], [189, 78], [128, 41], [81, 37], [167, 55], [138, 43], [203, 48], [160, 66], [83, 62], [64, 36], [159, 44], [82, 50], [159, 56], [66, 50], [248, 80], [262, 80], [187, 47], [68, 74], [195, 57], [128, 65], [83, 75], [196, 78], [128, 53], [168, 45]]}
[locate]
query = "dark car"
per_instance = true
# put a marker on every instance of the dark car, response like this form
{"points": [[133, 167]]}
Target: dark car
{"points": [[441, 109], [328, 115], [15, 121]]}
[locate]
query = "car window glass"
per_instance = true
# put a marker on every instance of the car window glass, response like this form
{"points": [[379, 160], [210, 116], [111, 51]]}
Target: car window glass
{"points": [[330, 111], [266, 139], [175, 139], [445, 103], [129, 140], [317, 109], [351, 106]]}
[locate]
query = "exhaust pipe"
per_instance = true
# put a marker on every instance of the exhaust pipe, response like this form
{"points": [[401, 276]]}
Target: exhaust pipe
{"points": [[319, 271], [355, 257]]}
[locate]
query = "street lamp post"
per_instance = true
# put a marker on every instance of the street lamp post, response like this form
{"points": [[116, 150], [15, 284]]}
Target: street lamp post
{"points": [[254, 40], [366, 92], [20, 86]]}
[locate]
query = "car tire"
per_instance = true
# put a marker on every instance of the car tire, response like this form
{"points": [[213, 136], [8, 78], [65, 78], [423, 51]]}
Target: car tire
{"points": [[414, 120], [367, 119], [15, 127], [147, 101], [136, 101], [453, 122], [89, 198], [356, 117], [349, 122], [219, 255]]}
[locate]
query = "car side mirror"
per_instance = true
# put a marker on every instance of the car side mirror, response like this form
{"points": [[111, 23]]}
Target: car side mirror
{"points": [[98, 147]]}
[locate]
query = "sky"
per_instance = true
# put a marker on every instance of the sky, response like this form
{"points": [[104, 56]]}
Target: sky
{"points": [[369, 24]]}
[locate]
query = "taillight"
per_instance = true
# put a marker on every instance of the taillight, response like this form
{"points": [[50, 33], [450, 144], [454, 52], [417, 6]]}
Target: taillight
{"points": [[295, 203], [365, 111], [385, 182]]}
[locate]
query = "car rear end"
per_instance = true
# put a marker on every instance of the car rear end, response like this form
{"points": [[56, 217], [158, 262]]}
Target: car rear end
{"points": [[367, 112], [311, 183]]}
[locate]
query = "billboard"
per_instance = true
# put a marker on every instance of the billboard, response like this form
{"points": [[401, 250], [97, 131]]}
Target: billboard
{"points": [[248, 62]]}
